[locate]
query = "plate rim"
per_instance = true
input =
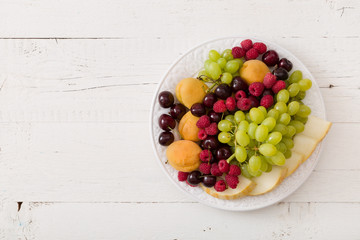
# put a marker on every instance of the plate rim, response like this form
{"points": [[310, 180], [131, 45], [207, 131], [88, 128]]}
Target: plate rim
{"points": [[151, 122]]}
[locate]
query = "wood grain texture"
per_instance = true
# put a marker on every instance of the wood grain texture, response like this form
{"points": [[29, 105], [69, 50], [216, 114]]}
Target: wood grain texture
{"points": [[76, 83], [186, 221]]}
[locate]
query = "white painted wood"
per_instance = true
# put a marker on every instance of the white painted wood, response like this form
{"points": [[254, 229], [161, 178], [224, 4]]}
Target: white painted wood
{"points": [[74, 117], [187, 221], [181, 19], [86, 161]]}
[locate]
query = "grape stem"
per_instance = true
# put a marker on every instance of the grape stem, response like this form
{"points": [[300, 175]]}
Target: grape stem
{"points": [[230, 158]]}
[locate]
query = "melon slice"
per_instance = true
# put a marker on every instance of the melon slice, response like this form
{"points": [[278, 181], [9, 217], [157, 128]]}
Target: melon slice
{"points": [[243, 188], [293, 163], [316, 128], [268, 181], [304, 145]]}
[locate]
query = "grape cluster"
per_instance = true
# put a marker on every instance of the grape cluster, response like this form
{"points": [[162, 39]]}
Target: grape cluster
{"points": [[261, 138], [223, 67]]}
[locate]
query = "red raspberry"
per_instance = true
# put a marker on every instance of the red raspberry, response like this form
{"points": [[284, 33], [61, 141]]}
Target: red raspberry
{"points": [[202, 134], [240, 94], [234, 170], [254, 102], [220, 186], [212, 129], [219, 106], [260, 47], [230, 103], [279, 85], [251, 54], [238, 52], [256, 89], [182, 176], [244, 104], [205, 168], [246, 44], [205, 155], [224, 166], [203, 122], [232, 181], [267, 101], [215, 170], [269, 80]]}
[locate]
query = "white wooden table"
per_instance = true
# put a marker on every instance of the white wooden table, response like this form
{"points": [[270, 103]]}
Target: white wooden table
{"points": [[76, 82]]}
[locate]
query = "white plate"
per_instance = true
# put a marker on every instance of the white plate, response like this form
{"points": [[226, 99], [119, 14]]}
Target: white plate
{"points": [[191, 63]]}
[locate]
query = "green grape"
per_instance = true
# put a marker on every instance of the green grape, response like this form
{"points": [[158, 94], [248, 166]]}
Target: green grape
{"points": [[305, 84], [206, 64], [255, 163], [214, 70], [274, 138], [231, 143], [291, 131], [301, 119], [261, 133], [240, 153], [289, 143], [284, 118], [251, 130], [279, 159], [283, 96], [281, 107], [252, 143], [263, 110], [269, 122], [293, 89], [250, 153], [221, 62], [264, 164], [279, 127], [267, 149], [301, 95], [273, 113], [281, 147], [247, 117], [295, 77], [230, 118], [256, 115], [244, 171], [243, 125], [304, 111], [227, 55], [299, 126], [293, 107], [239, 116], [268, 160], [225, 125], [269, 168], [236, 74], [252, 173], [288, 154], [242, 138], [214, 55], [224, 137], [226, 78], [232, 66], [239, 61]]}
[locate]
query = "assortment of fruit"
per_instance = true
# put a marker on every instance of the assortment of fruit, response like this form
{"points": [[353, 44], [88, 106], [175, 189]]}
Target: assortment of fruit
{"points": [[243, 124]]}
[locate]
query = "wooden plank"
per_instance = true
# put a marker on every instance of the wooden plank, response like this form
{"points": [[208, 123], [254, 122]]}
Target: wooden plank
{"points": [[90, 161], [186, 221], [181, 19], [99, 80]]}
